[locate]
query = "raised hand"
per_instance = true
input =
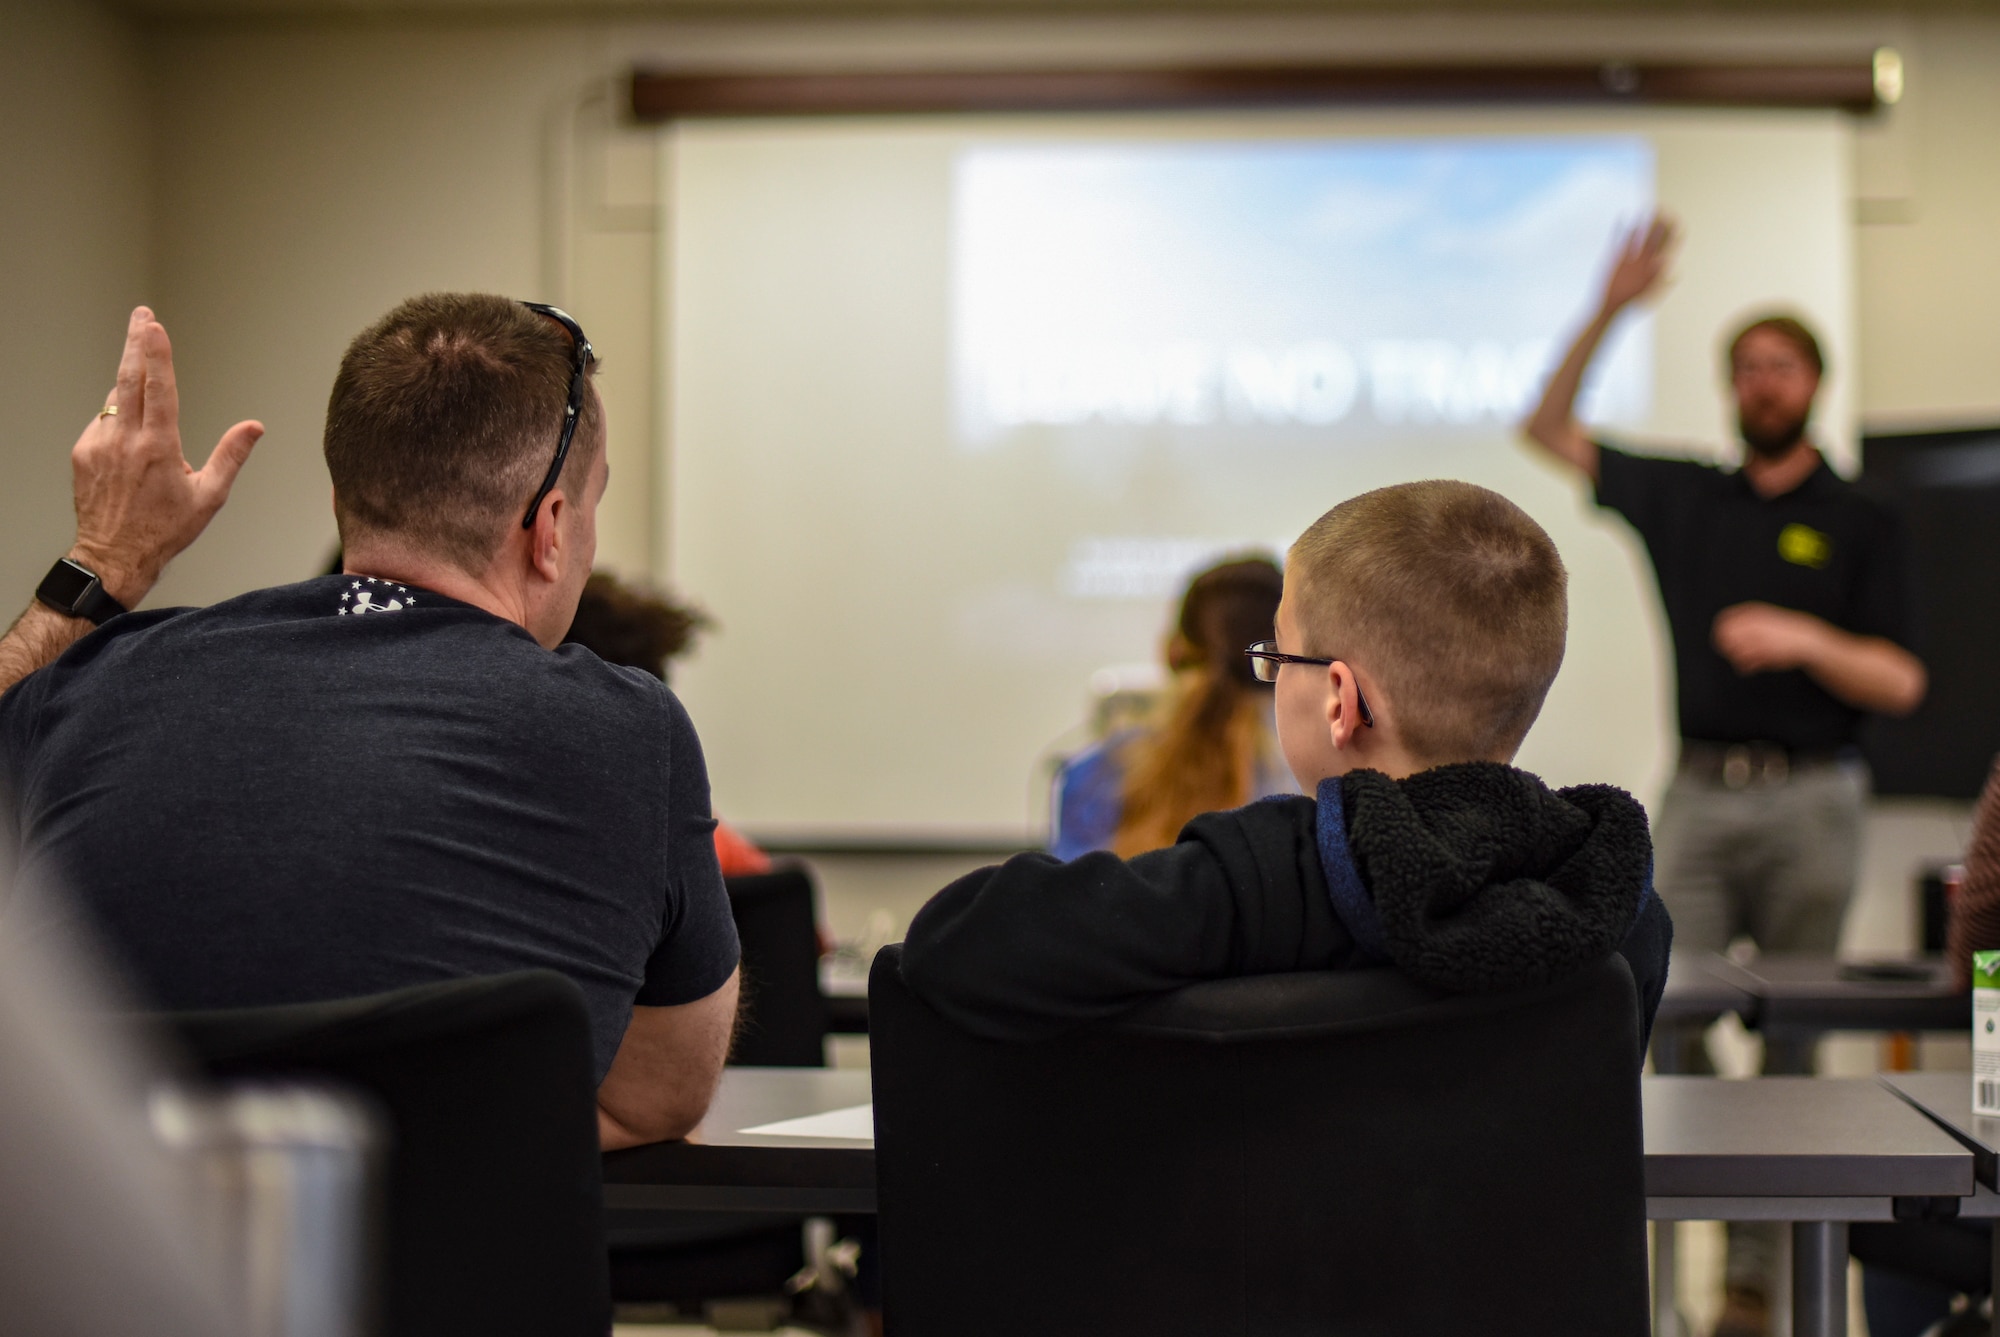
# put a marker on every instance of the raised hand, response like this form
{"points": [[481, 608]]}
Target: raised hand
{"points": [[138, 501], [1637, 268], [1640, 262]]}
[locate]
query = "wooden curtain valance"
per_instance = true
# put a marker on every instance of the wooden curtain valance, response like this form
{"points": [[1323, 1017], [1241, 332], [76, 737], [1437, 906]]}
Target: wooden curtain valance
{"points": [[1859, 85]]}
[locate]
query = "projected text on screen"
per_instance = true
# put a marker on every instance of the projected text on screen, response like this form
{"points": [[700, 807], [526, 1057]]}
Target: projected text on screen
{"points": [[1357, 287]]}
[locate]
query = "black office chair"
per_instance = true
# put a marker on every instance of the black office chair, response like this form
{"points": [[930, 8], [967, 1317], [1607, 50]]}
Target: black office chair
{"points": [[493, 1221], [1334, 1153], [785, 1016]]}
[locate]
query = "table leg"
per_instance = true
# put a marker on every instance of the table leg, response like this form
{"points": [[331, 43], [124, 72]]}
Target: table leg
{"points": [[1994, 1294], [1819, 1279], [1667, 1320]]}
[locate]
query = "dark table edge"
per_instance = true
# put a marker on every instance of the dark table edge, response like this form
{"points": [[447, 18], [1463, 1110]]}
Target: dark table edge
{"points": [[1724, 1176], [836, 1165], [1741, 1001], [735, 1198], [1985, 1161], [690, 1175], [1776, 1011], [1865, 1014]]}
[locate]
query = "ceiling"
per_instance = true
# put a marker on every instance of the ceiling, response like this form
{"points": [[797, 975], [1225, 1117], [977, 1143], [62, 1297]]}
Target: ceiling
{"points": [[351, 10]]}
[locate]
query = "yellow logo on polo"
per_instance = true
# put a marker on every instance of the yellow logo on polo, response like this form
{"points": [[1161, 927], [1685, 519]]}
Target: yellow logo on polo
{"points": [[1802, 545]]}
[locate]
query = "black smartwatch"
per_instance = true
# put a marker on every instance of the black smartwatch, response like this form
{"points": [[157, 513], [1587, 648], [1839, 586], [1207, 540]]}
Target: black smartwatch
{"points": [[75, 590]]}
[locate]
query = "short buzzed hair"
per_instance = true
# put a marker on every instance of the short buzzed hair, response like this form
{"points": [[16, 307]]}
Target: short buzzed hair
{"points": [[444, 419], [1452, 597], [1789, 328]]}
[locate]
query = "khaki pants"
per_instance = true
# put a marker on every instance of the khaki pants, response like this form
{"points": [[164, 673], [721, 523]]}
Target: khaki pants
{"points": [[1773, 861]]}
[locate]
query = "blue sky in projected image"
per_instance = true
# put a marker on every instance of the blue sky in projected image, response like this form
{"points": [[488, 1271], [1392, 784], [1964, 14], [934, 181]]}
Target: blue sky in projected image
{"points": [[1354, 283]]}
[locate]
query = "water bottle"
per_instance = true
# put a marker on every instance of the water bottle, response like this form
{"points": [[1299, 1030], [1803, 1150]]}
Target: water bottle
{"points": [[288, 1172]]}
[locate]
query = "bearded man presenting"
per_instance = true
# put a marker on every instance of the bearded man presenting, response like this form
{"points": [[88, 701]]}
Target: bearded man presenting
{"points": [[1784, 592]]}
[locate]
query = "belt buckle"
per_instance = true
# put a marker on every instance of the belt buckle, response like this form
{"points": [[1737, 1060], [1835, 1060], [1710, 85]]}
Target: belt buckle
{"points": [[1736, 767]]}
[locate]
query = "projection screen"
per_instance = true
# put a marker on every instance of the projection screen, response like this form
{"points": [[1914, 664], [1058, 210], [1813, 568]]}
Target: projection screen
{"points": [[955, 405]]}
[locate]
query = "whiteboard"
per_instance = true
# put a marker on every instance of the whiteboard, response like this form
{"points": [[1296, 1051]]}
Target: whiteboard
{"points": [[954, 403]]}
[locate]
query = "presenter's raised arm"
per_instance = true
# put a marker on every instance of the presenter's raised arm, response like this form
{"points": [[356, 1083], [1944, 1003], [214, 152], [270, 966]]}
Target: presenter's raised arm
{"points": [[1867, 672], [1636, 270], [138, 501]]}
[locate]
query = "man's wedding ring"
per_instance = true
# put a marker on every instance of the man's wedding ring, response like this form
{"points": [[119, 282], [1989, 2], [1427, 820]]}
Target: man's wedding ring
{"points": [[108, 411]]}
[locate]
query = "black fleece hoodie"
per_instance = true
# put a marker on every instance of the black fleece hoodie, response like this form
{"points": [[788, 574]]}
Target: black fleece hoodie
{"points": [[1470, 878]]}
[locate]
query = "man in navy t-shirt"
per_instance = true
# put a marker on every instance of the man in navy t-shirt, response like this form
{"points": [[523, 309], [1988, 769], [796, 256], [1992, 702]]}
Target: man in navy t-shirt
{"points": [[392, 775]]}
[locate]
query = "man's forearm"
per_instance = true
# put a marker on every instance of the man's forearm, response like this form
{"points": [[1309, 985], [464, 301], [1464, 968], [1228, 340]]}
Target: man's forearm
{"points": [[613, 1135], [40, 635], [37, 637], [1553, 425], [1869, 672], [666, 1069], [1638, 264]]}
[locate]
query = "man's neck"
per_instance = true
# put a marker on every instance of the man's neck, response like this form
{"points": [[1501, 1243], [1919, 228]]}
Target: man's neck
{"points": [[1774, 476], [407, 568]]}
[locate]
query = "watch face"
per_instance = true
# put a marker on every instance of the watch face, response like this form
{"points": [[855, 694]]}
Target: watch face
{"points": [[65, 583]]}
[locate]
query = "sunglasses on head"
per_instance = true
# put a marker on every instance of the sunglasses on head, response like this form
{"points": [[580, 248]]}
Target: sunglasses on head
{"points": [[581, 357]]}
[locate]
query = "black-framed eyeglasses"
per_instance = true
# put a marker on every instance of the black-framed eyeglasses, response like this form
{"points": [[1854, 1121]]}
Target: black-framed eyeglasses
{"points": [[1266, 659], [581, 357]]}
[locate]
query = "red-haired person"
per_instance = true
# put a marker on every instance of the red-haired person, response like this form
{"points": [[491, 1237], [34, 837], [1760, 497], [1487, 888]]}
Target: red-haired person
{"points": [[1214, 746]]}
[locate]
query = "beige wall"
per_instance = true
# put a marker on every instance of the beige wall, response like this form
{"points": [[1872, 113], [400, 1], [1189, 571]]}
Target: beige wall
{"points": [[273, 187], [1929, 286], [311, 175], [309, 181], [75, 207]]}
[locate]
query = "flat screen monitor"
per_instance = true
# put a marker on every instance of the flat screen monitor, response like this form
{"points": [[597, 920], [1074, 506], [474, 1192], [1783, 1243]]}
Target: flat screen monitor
{"points": [[1945, 486]]}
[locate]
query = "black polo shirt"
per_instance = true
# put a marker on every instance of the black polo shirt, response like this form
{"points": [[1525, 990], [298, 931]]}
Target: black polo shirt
{"points": [[1822, 548]]}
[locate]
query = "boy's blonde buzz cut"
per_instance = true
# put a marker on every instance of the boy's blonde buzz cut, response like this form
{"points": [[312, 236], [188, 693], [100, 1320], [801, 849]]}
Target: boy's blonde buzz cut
{"points": [[1450, 596]]}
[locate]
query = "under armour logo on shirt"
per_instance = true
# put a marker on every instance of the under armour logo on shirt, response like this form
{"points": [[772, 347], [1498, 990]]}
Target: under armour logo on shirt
{"points": [[357, 598]]}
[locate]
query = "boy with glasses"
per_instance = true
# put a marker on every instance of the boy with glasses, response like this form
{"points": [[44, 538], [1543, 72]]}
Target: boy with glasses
{"points": [[1420, 629]]}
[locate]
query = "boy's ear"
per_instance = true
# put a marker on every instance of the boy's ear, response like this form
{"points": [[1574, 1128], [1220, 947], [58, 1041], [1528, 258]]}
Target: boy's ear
{"points": [[1340, 721], [1343, 705]]}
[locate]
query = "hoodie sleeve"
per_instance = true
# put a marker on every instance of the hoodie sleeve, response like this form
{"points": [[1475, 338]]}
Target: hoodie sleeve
{"points": [[1645, 950], [1035, 947]]}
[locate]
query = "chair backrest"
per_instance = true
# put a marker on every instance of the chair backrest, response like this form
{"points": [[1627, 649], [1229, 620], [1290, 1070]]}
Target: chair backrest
{"points": [[493, 1221], [784, 1023], [1340, 1153]]}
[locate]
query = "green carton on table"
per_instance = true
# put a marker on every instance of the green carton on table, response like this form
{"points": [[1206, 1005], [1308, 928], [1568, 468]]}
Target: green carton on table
{"points": [[1986, 1033]]}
